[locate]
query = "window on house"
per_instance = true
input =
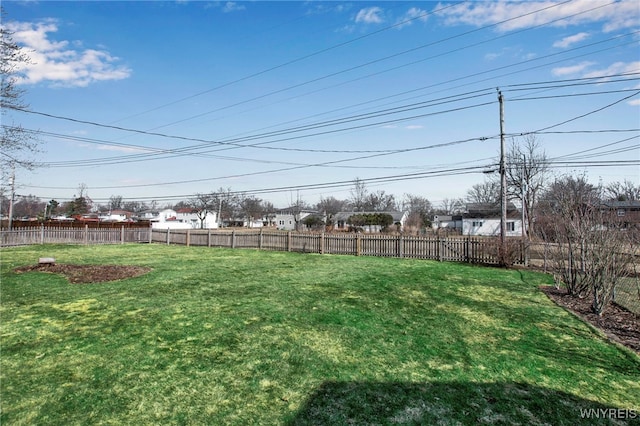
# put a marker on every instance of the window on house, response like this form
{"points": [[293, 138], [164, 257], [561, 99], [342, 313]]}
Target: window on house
{"points": [[511, 226], [476, 223], [620, 213]]}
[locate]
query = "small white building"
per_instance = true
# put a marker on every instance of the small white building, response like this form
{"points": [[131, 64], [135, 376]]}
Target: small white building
{"points": [[490, 226], [286, 219], [481, 219], [182, 219], [116, 216], [191, 216]]}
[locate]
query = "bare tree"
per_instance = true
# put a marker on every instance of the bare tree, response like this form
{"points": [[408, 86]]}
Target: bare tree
{"points": [[28, 206], [134, 206], [527, 174], [16, 143], [419, 210], [484, 193], [251, 207], [358, 195], [379, 201], [115, 202], [269, 212], [203, 204], [449, 206], [296, 207], [625, 191], [331, 205], [592, 252], [226, 204]]}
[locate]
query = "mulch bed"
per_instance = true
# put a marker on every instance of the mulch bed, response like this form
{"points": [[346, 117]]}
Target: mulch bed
{"points": [[616, 322], [87, 274]]}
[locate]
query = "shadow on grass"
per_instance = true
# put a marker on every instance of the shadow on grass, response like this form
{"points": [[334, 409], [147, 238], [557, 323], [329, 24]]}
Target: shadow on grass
{"points": [[448, 403]]}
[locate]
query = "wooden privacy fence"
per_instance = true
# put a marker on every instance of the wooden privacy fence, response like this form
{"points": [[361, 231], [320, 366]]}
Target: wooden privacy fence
{"points": [[457, 249], [66, 235]]}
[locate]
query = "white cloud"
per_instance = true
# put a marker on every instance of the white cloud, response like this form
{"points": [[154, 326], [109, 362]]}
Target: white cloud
{"points": [[634, 102], [571, 70], [613, 69], [58, 63], [570, 40], [232, 6], [613, 16], [412, 15], [370, 15], [616, 68], [121, 149], [414, 127]]}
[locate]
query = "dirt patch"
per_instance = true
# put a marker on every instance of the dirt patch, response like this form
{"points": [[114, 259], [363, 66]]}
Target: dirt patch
{"points": [[87, 274], [617, 323]]}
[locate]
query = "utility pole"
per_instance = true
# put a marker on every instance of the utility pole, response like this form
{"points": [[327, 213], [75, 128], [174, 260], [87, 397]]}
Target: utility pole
{"points": [[503, 187], [523, 195], [12, 195]]}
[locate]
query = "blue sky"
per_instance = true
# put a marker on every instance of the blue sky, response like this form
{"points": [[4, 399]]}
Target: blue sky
{"points": [[162, 100]]}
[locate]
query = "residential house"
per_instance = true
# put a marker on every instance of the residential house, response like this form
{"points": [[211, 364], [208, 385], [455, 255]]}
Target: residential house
{"points": [[290, 219], [340, 221], [624, 213], [190, 215], [116, 216], [447, 223], [168, 219], [483, 219]]}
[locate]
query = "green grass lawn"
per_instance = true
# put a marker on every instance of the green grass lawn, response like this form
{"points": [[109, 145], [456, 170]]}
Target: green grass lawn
{"points": [[242, 337]]}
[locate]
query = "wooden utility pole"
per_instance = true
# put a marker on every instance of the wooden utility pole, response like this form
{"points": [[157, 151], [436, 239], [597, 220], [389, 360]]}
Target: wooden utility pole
{"points": [[12, 195], [503, 186]]}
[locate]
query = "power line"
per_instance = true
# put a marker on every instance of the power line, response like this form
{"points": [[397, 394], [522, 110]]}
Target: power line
{"points": [[234, 142], [296, 60]]}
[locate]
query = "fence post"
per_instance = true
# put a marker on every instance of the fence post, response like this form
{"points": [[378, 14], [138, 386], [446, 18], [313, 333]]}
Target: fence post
{"points": [[86, 234], [260, 240], [467, 249], [322, 243], [168, 239], [440, 249], [208, 237], [42, 234], [150, 234], [289, 240], [400, 246], [358, 245], [188, 237], [233, 239], [122, 234]]}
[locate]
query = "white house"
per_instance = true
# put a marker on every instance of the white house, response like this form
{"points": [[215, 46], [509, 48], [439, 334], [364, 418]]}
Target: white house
{"points": [[191, 216], [286, 219], [482, 219], [447, 222], [115, 216], [171, 219]]}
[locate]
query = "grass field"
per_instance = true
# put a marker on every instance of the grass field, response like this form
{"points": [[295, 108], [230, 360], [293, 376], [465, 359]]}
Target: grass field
{"points": [[243, 337]]}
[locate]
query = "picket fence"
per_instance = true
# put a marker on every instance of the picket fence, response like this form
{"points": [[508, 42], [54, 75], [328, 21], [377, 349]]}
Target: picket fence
{"points": [[67, 235], [456, 249]]}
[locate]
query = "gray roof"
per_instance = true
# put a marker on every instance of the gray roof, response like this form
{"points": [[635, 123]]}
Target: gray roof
{"points": [[631, 204], [397, 216]]}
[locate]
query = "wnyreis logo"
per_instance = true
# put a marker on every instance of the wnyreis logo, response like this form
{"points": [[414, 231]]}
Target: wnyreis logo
{"points": [[608, 413]]}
